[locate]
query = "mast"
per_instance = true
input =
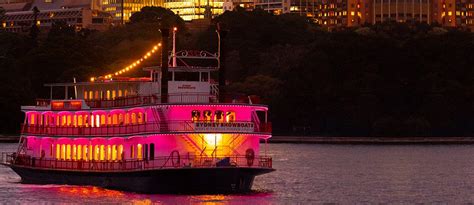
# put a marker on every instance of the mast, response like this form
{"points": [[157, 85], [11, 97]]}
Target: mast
{"points": [[165, 32]]}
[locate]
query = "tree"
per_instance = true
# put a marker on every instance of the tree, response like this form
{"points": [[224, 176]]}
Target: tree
{"points": [[157, 15]]}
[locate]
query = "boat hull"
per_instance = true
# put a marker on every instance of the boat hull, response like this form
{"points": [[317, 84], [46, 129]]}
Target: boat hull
{"points": [[182, 180]]}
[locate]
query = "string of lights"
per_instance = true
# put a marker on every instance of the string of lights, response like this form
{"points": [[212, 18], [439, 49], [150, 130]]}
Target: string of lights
{"points": [[129, 67]]}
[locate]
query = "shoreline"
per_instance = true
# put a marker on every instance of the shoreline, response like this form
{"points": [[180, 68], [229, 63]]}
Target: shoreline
{"points": [[370, 140]]}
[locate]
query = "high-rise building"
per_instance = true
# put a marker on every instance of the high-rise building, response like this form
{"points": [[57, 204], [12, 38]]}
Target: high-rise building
{"points": [[19, 16], [348, 13]]}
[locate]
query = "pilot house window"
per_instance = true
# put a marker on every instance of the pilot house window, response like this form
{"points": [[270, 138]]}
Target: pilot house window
{"points": [[219, 116]]}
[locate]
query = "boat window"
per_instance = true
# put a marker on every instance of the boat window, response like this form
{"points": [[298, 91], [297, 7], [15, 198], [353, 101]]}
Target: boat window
{"points": [[120, 152], [90, 152], [86, 120], [79, 152], [80, 121], [114, 119], [120, 119], [114, 152], [230, 116], [96, 152], [91, 95], [132, 152], [85, 95], [69, 120], [32, 119], [127, 120], [51, 151], [96, 96], [139, 151], [134, 118], [109, 153], [58, 151], [140, 118], [63, 152], [152, 151], [219, 116], [102, 152], [113, 94], [120, 93], [108, 94], [92, 121], [86, 153], [125, 93], [207, 115], [195, 115], [146, 152], [74, 152], [102, 120]]}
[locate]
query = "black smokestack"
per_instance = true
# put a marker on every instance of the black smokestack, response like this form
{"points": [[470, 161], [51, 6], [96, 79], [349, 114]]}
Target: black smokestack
{"points": [[222, 70], [165, 33]]}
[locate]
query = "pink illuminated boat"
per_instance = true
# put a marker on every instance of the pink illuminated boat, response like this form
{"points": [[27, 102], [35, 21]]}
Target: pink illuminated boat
{"points": [[171, 132]]}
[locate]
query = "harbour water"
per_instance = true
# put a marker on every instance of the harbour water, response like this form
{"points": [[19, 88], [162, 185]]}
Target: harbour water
{"points": [[306, 174]]}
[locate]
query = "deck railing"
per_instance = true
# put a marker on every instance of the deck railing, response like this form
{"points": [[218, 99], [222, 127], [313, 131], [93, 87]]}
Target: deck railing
{"points": [[170, 162], [117, 130], [138, 100]]}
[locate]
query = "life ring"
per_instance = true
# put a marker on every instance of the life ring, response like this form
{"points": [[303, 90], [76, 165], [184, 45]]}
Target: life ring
{"points": [[175, 158], [250, 156]]}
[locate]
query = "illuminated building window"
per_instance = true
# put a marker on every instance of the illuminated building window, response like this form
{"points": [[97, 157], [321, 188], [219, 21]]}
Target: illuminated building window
{"points": [[230, 116], [195, 115], [207, 115], [219, 116], [450, 13]]}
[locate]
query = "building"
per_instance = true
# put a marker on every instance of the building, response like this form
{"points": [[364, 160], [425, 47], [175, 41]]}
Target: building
{"points": [[348, 13], [122, 10], [20, 17]]}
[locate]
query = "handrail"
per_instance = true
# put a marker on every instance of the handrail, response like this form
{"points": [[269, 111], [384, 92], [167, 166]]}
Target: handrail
{"points": [[143, 128], [165, 162], [139, 100]]}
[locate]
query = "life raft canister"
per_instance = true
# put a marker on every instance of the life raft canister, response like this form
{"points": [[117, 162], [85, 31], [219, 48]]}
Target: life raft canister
{"points": [[250, 156]]}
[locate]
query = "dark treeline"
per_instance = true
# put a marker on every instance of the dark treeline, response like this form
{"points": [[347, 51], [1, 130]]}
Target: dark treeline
{"points": [[387, 79]]}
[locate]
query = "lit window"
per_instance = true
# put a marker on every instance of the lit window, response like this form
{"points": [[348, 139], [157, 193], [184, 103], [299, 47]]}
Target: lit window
{"points": [[207, 115], [63, 152], [79, 152], [74, 152], [230, 116], [68, 152], [102, 152], [96, 152], [219, 116], [195, 115], [109, 152], [85, 95], [114, 152], [139, 151], [58, 151], [120, 152]]}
